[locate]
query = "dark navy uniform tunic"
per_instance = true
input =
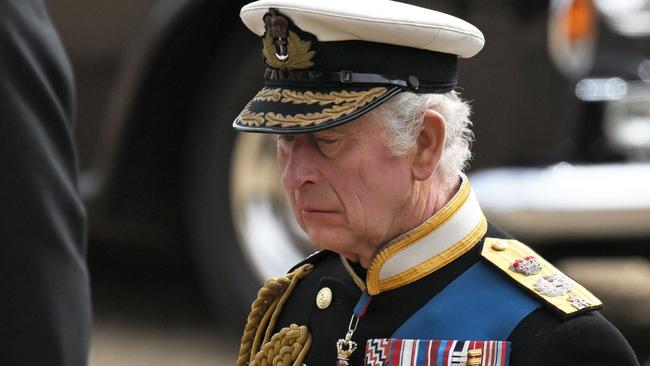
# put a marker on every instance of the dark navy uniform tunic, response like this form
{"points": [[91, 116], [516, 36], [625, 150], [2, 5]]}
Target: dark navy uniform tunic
{"points": [[540, 335], [541, 338]]}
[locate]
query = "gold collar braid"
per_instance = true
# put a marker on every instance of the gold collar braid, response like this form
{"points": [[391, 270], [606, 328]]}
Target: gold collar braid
{"points": [[287, 347]]}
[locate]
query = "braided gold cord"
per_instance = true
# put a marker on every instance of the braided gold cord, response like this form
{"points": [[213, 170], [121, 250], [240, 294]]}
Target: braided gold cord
{"points": [[280, 305], [265, 311], [288, 347], [261, 311], [259, 340]]}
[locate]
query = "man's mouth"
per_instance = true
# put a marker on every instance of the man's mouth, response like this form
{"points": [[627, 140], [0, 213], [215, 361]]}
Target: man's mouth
{"points": [[315, 210]]}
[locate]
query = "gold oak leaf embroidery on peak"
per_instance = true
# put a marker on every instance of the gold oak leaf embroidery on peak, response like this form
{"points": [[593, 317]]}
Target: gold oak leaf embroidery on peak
{"points": [[335, 97], [344, 103], [268, 95], [328, 114], [299, 53], [249, 118]]}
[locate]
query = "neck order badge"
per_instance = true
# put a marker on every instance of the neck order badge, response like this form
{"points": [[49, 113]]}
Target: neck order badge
{"points": [[346, 346]]}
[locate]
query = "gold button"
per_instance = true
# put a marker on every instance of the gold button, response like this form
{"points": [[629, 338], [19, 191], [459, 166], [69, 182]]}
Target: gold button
{"points": [[500, 245], [324, 298]]}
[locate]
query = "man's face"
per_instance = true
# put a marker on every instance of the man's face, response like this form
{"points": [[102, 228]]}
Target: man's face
{"points": [[347, 190]]}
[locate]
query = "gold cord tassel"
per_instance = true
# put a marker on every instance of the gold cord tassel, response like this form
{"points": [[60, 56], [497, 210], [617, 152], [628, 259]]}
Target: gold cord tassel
{"points": [[262, 319]]}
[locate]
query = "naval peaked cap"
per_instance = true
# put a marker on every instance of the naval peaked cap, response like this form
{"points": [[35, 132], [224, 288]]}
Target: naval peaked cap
{"points": [[329, 62]]}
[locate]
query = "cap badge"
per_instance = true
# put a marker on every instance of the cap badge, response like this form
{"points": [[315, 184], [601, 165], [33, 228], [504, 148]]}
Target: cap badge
{"points": [[283, 48], [526, 266], [554, 285]]}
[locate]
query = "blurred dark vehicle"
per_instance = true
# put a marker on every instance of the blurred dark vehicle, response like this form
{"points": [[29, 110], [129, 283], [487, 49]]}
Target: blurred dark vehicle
{"points": [[590, 193], [159, 84]]}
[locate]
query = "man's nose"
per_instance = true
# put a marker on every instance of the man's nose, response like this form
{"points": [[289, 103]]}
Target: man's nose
{"points": [[300, 166]]}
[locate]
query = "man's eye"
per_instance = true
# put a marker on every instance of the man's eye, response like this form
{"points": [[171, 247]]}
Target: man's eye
{"points": [[327, 141]]}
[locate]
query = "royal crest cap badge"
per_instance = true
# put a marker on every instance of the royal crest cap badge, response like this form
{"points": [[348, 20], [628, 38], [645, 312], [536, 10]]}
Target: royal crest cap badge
{"points": [[283, 48]]}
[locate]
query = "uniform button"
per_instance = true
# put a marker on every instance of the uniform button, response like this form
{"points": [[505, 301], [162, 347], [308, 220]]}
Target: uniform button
{"points": [[500, 245], [324, 298]]}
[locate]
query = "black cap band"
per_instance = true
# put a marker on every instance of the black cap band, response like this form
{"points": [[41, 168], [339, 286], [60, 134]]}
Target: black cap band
{"points": [[307, 79], [368, 63]]}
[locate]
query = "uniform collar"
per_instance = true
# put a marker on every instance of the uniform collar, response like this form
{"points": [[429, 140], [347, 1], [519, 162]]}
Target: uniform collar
{"points": [[445, 236]]}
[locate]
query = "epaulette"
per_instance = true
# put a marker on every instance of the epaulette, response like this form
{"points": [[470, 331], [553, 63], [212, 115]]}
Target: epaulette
{"points": [[540, 278], [313, 258]]}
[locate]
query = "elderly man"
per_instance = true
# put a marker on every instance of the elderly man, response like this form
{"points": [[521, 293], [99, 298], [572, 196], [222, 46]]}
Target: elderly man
{"points": [[372, 143]]}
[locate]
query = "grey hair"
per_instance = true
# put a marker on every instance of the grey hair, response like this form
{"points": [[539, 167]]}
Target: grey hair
{"points": [[403, 118]]}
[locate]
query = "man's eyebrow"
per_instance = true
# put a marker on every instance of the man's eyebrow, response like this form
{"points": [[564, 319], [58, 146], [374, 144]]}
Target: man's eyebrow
{"points": [[333, 131]]}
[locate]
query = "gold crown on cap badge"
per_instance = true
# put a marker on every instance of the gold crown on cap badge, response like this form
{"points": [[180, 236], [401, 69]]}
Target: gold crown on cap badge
{"points": [[283, 48]]}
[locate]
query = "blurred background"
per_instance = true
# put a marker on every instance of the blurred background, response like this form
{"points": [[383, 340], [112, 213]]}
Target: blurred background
{"points": [[187, 217]]}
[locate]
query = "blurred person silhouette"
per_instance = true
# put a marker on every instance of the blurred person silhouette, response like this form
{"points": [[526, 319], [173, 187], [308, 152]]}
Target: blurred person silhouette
{"points": [[45, 315]]}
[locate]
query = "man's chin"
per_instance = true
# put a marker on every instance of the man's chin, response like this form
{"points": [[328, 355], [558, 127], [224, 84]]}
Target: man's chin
{"points": [[340, 243], [327, 239]]}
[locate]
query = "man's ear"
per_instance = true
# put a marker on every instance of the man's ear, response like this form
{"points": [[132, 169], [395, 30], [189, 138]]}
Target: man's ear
{"points": [[429, 145]]}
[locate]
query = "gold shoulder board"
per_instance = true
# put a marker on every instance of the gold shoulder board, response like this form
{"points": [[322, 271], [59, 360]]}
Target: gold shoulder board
{"points": [[539, 277]]}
